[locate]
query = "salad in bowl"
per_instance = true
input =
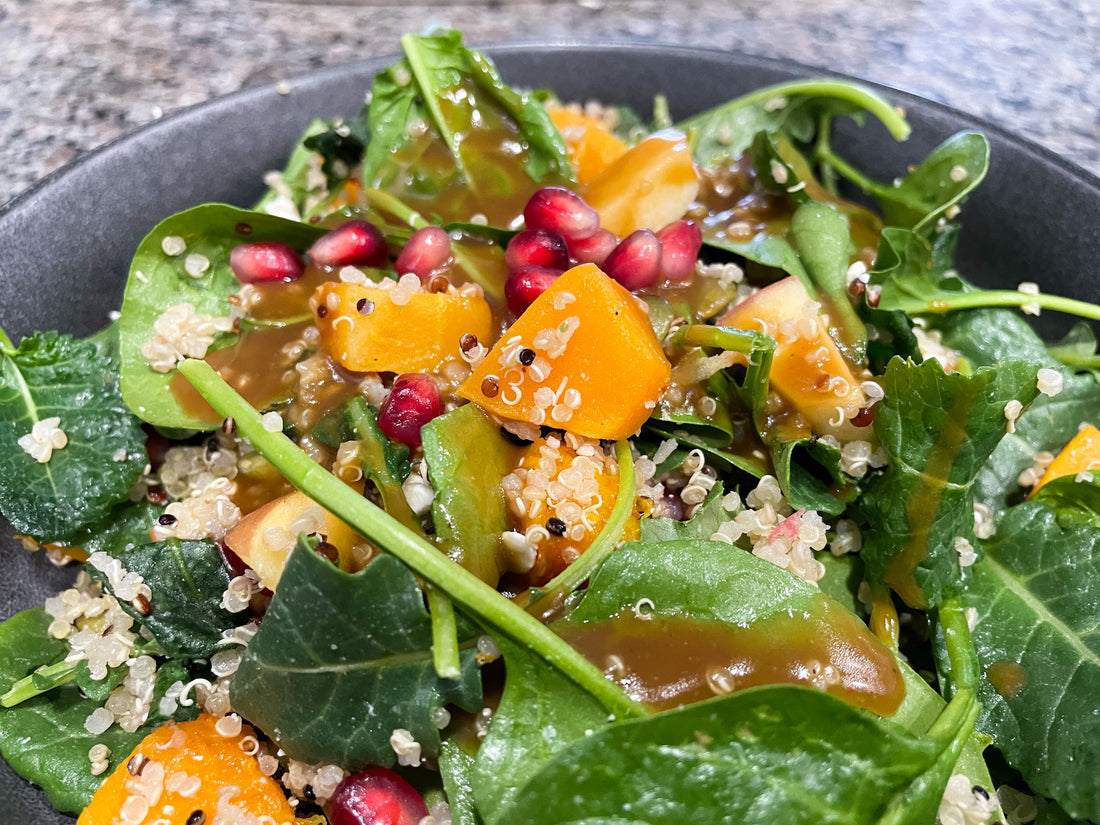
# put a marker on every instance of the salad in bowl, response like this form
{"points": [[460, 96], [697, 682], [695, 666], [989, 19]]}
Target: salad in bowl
{"points": [[521, 460]]}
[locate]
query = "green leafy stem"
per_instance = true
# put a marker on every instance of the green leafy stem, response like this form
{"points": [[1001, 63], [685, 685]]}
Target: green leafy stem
{"points": [[942, 302], [465, 590]]}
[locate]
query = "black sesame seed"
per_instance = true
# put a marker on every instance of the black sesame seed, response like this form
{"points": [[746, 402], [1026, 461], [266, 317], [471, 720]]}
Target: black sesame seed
{"points": [[196, 818], [229, 426], [137, 764], [467, 342], [978, 790], [555, 526], [244, 229], [527, 356], [166, 520], [322, 311], [364, 306]]}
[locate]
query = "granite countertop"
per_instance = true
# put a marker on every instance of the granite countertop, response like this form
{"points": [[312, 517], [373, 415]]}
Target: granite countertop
{"points": [[77, 73]]}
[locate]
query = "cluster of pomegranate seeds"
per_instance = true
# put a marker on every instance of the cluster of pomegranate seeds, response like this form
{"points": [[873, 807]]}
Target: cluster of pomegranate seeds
{"points": [[376, 796], [263, 262], [354, 243], [563, 229], [414, 400], [427, 251]]}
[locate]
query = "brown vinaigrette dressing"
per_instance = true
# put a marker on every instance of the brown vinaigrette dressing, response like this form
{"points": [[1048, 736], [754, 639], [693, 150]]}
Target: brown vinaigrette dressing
{"points": [[1007, 678], [668, 661], [250, 366]]}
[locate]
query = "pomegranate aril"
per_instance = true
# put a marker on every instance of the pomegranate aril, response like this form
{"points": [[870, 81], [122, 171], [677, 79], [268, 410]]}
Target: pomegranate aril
{"points": [[414, 400], [562, 211], [526, 284], [426, 251], [680, 245], [636, 261], [536, 246], [376, 796], [265, 262], [595, 248], [354, 243]]}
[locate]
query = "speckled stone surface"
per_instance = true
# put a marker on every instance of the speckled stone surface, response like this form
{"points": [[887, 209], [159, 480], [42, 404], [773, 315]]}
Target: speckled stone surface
{"points": [[77, 73]]}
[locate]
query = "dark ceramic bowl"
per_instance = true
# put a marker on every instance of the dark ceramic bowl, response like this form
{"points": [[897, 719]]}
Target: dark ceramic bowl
{"points": [[65, 245]]}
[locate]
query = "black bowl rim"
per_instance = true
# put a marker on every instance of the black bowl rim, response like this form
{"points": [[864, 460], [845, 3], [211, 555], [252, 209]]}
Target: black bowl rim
{"points": [[171, 121]]}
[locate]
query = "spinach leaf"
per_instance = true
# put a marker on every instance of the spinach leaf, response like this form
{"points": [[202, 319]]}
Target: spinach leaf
{"points": [[772, 754], [54, 376], [823, 487], [385, 464], [188, 579], [1074, 502], [126, 525], [1037, 597], [467, 456], [158, 281], [341, 661], [341, 145], [1078, 348], [793, 110], [296, 190], [44, 738], [541, 713], [938, 430], [704, 524], [843, 575], [820, 236], [443, 92], [943, 179], [456, 767], [911, 270], [707, 580]]}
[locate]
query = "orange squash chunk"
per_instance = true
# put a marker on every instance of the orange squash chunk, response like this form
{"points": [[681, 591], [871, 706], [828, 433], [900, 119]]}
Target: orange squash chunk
{"points": [[1081, 454], [808, 369], [580, 492], [365, 331], [649, 187], [595, 366], [186, 767], [592, 146]]}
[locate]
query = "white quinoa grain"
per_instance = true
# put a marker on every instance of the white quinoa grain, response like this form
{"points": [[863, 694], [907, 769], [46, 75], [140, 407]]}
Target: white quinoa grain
{"points": [[958, 173], [196, 265], [1049, 382], [173, 245], [272, 422]]}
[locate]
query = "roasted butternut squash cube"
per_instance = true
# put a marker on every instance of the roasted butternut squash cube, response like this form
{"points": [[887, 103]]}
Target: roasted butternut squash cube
{"points": [[649, 187], [592, 146], [183, 769], [560, 496], [583, 358], [808, 370], [364, 330]]}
